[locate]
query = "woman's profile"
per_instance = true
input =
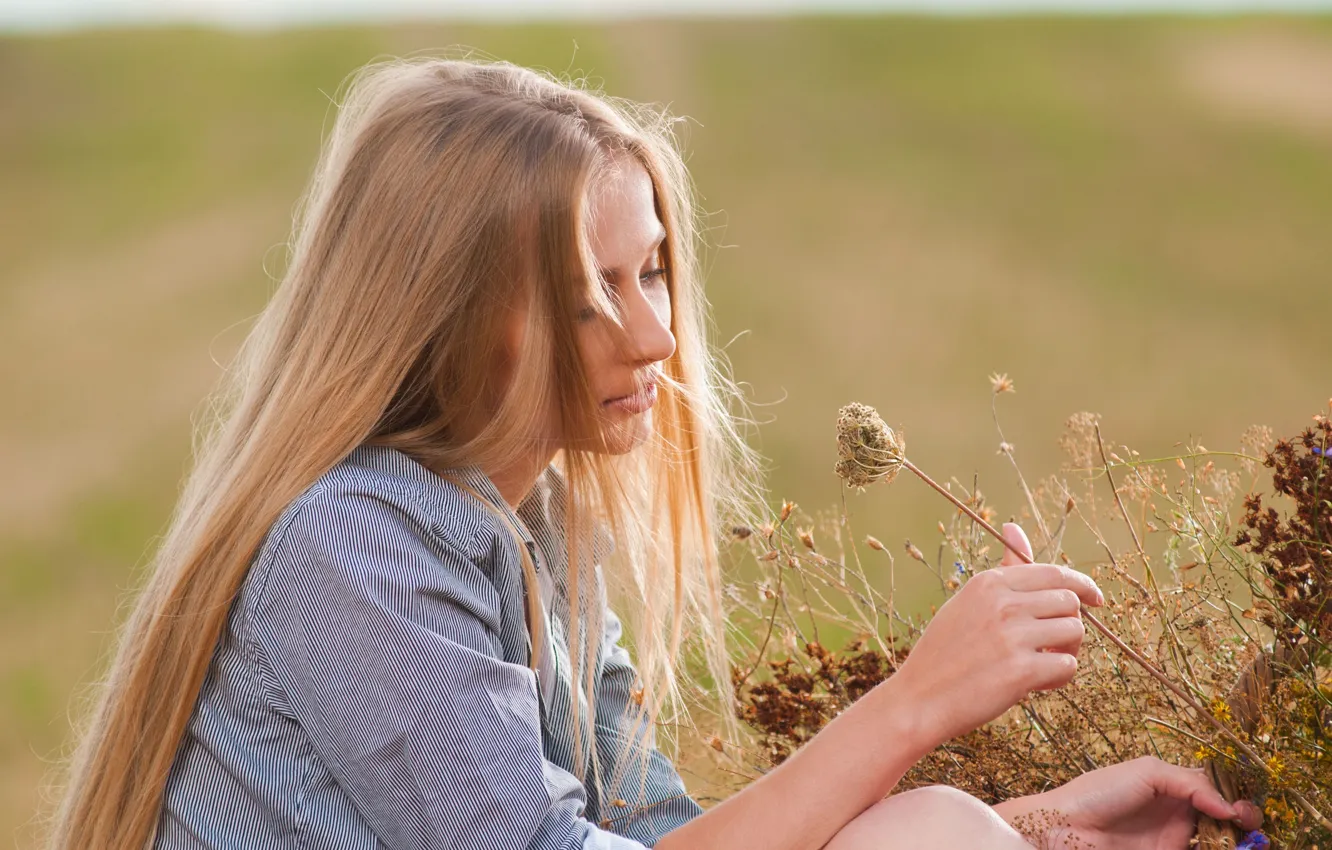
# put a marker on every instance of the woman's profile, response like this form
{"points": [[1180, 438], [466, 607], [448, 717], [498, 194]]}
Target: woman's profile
{"points": [[483, 393]]}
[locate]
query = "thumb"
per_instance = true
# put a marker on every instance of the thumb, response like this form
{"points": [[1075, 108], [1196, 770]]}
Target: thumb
{"points": [[1017, 539]]}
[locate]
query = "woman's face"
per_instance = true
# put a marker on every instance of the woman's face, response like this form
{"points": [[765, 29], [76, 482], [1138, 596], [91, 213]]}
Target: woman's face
{"points": [[625, 238]]}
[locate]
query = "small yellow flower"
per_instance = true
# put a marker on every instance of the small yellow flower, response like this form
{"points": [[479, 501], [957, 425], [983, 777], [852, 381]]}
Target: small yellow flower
{"points": [[1276, 766]]}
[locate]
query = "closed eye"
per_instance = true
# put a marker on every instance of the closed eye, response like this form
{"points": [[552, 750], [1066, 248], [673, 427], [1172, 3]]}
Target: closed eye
{"points": [[648, 277]]}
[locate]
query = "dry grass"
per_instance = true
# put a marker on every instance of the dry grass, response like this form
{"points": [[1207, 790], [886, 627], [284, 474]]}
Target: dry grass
{"points": [[1057, 198], [1218, 636]]}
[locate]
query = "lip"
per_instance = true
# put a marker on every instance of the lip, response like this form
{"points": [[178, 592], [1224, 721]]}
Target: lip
{"points": [[638, 402]]}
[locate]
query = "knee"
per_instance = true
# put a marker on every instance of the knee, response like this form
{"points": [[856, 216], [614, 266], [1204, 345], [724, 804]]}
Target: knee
{"points": [[936, 816]]}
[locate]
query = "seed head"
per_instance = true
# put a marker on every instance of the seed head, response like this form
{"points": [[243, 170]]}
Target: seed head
{"points": [[867, 449], [1001, 383]]}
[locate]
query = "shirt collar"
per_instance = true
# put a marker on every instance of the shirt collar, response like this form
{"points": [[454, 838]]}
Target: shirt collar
{"points": [[399, 463], [480, 483]]}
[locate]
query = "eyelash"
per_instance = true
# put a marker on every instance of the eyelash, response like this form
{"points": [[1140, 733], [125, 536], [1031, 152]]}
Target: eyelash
{"points": [[587, 314]]}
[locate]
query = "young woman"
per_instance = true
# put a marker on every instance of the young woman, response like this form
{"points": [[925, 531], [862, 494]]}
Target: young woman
{"points": [[482, 393]]}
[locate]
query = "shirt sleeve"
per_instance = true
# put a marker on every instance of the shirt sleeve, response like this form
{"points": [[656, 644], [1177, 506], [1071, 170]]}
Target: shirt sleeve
{"points": [[380, 640], [654, 794]]}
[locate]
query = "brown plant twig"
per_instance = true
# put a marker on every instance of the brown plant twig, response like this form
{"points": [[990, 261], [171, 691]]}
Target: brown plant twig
{"points": [[1146, 665], [1176, 647]]}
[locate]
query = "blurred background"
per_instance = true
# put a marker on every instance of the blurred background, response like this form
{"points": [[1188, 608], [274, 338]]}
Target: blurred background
{"points": [[1126, 208]]}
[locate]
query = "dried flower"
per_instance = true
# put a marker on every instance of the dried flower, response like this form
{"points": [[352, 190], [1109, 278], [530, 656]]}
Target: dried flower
{"points": [[868, 450], [1111, 712], [1001, 383], [1298, 565]]}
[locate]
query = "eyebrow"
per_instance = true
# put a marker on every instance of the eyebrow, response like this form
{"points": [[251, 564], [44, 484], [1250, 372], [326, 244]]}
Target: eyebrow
{"points": [[611, 274]]}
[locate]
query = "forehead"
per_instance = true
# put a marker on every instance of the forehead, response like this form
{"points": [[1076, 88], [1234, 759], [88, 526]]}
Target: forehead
{"points": [[623, 223]]}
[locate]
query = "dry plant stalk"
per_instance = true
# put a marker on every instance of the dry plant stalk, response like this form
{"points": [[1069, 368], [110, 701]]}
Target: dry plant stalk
{"points": [[1233, 613]]}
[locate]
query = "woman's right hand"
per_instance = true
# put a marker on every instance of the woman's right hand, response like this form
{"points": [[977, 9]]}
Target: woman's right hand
{"points": [[1009, 631]]}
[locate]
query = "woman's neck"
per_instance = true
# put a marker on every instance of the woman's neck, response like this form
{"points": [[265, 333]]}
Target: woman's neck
{"points": [[516, 479]]}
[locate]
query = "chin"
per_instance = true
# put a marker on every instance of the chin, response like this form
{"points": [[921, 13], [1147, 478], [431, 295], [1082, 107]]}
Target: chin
{"points": [[620, 438]]}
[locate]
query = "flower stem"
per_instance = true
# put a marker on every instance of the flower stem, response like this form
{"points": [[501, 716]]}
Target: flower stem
{"points": [[1128, 650]]}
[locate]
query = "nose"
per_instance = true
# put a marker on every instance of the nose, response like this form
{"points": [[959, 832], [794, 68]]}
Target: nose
{"points": [[647, 323]]}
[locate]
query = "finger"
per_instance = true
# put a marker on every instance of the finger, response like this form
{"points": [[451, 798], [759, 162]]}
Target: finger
{"points": [[1051, 577], [1015, 538], [1044, 604], [1062, 634], [1250, 816], [1052, 670], [1193, 785]]}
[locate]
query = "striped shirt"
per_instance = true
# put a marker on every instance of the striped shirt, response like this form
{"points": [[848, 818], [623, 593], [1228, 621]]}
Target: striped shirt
{"points": [[372, 690]]}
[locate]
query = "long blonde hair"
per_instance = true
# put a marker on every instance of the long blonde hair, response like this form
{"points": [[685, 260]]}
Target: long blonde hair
{"points": [[447, 191]]}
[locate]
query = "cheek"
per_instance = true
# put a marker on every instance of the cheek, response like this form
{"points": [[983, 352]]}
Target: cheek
{"points": [[594, 345]]}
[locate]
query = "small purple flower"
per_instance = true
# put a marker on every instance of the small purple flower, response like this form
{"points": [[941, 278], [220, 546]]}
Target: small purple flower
{"points": [[1321, 452], [961, 568], [1254, 841]]}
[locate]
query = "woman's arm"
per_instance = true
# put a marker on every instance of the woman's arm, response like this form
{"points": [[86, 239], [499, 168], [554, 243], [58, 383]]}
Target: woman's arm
{"points": [[382, 645], [851, 764], [1144, 804], [627, 747], [1009, 631]]}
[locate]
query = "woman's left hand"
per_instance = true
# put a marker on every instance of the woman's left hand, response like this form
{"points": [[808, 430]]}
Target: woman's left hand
{"points": [[1144, 804]]}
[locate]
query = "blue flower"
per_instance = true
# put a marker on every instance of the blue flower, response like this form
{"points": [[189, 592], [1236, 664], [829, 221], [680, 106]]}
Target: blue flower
{"points": [[1322, 452], [1254, 841], [961, 568]]}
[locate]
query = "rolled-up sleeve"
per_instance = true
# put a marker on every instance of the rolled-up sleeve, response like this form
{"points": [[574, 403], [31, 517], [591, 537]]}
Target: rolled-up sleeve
{"points": [[654, 794], [379, 640]]}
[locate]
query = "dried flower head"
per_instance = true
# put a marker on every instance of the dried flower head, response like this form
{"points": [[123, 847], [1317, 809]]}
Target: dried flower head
{"points": [[1001, 383], [1265, 675], [868, 450]]}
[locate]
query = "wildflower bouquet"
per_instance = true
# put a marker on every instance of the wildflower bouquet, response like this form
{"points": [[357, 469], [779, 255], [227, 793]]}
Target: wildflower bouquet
{"points": [[1212, 649]]}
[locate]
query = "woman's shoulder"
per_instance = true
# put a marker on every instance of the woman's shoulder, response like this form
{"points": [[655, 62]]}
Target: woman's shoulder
{"points": [[380, 529], [379, 517], [377, 491]]}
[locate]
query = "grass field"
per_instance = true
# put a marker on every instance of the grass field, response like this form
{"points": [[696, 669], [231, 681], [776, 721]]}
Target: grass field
{"points": [[1131, 216]]}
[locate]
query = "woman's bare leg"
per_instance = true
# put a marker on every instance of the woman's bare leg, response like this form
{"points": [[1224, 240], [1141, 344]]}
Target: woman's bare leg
{"points": [[938, 818]]}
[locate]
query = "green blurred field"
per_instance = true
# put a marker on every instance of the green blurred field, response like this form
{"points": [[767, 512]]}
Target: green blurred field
{"points": [[1131, 216]]}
